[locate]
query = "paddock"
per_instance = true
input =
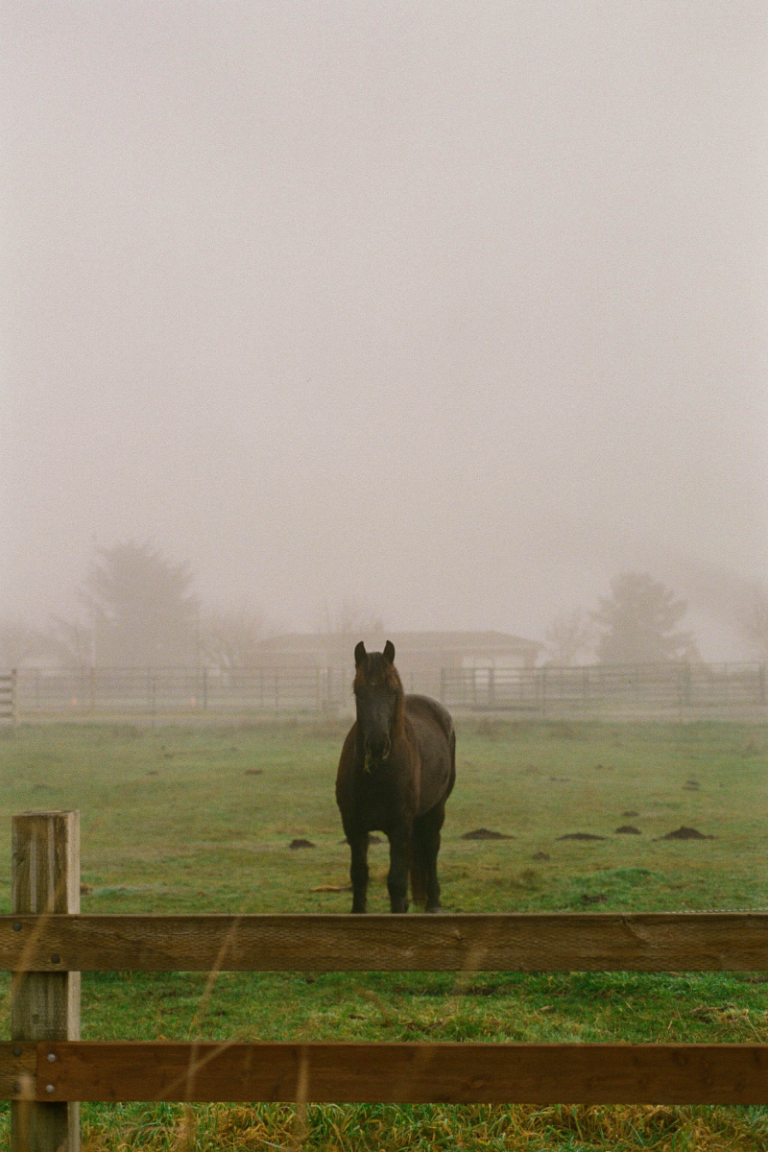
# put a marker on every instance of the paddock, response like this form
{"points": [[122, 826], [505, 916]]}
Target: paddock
{"points": [[202, 932], [45, 1070]]}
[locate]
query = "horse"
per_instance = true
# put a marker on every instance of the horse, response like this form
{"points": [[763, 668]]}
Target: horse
{"points": [[396, 771]]}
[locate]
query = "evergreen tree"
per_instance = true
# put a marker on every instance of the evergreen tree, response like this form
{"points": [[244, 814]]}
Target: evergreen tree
{"points": [[143, 611], [637, 624]]}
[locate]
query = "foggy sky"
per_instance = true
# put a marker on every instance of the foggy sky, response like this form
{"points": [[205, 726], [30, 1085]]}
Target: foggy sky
{"points": [[457, 308]]}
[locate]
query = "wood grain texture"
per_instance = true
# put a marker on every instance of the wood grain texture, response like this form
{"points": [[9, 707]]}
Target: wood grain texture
{"points": [[45, 1002], [407, 1073], [562, 942], [18, 1071]]}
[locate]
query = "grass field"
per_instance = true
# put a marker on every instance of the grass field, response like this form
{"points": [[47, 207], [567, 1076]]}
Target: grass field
{"points": [[180, 819]]}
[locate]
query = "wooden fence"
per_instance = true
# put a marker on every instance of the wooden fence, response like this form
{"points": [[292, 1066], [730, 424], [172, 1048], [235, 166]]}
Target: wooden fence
{"points": [[46, 1069], [632, 690]]}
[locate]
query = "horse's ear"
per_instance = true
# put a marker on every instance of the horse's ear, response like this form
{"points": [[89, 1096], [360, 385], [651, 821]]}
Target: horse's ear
{"points": [[389, 652], [359, 654]]}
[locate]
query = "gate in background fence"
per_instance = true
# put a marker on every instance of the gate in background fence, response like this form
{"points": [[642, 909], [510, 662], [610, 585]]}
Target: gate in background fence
{"points": [[45, 1069]]}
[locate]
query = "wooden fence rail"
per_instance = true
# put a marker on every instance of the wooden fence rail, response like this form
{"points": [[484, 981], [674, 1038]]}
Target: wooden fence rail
{"points": [[406, 1073], [529, 942], [46, 1070]]}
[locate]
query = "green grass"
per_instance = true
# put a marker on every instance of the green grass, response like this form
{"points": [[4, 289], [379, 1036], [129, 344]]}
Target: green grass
{"points": [[172, 821]]}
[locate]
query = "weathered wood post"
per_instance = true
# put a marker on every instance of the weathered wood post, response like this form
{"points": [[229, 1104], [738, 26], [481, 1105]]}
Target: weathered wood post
{"points": [[45, 1005]]}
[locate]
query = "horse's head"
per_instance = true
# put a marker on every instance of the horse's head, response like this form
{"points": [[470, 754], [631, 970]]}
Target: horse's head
{"points": [[380, 700]]}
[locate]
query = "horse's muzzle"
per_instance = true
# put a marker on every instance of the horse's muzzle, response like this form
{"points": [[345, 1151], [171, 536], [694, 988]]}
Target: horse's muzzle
{"points": [[379, 751]]}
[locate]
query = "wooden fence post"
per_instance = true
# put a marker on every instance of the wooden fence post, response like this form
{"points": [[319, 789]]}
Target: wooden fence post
{"points": [[45, 1005]]}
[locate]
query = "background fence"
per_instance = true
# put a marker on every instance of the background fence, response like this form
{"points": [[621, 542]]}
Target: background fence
{"points": [[8, 696], [632, 690]]}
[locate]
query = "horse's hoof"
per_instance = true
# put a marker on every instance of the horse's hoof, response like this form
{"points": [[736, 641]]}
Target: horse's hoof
{"points": [[434, 911]]}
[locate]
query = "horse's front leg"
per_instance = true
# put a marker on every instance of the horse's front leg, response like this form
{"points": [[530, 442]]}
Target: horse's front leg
{"points": [[399, 862], [358, 842]]}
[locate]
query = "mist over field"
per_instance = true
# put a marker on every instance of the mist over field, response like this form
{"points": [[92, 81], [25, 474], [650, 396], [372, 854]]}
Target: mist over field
{"points": [[454, 310]]}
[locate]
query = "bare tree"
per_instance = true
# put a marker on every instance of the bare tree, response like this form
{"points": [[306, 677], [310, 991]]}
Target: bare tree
{"points": [[570, 635], [231, 639], [70, 641], [752, 618], [351, 621], [353, 618], [19, 643]]}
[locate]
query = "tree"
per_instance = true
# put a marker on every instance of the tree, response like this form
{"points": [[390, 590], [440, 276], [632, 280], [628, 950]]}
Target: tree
{"points": [[231, 639], [19, 642], [142, 608], [570, 635], [637, 623], [70, 641], [752, 618], [353, 618]]}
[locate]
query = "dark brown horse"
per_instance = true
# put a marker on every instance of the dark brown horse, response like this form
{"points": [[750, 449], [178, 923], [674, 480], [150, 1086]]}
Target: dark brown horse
{"points": [[397, 769]]}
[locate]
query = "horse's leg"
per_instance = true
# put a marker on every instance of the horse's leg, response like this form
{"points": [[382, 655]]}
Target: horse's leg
{"points": [[399, 860], [429, 829], [358, 842]]}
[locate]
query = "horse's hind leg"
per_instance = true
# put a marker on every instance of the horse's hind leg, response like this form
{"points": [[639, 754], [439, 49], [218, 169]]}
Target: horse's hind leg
{"points": [[426, 845], [358, 842]]}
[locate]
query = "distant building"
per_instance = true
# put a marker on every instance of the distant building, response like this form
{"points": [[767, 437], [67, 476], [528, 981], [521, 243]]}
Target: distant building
{"points": [[420, 656]]}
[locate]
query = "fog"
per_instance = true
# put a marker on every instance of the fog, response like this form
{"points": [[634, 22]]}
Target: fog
{"points": [[456, 309]]}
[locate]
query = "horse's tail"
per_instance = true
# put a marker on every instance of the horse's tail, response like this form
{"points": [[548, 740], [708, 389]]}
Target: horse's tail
{"points": [[419, 875]]}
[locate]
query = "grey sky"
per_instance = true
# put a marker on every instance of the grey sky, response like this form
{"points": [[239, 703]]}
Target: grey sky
{"points": [[455, 308]]}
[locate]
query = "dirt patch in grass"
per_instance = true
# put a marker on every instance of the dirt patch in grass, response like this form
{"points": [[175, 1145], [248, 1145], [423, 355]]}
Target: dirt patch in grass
{"points": [[685, 833], [485, 834], [562, 730], [580, 836], [489, 729], [294, 844], [627, 830]]}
